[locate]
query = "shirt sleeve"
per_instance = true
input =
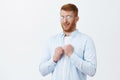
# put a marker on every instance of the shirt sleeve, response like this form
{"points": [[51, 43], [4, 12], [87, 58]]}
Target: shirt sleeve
{"points": [[88, 63], [47, 64]]}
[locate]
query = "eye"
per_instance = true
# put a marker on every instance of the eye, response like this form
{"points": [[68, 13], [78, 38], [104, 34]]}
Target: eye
{"points": [[61, 17], [68, 17]]}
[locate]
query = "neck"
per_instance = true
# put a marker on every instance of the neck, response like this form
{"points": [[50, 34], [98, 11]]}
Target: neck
{"points": [[68, 33]]}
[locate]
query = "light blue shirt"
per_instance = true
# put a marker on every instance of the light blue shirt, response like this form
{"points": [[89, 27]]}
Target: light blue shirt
{"points": [[80, 64]]}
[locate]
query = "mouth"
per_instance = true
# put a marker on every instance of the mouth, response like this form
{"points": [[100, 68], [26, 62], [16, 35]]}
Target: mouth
{"points": [[66, 24]]}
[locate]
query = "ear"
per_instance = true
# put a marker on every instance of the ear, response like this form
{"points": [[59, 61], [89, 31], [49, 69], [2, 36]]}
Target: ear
{"points": [[77, 18]]}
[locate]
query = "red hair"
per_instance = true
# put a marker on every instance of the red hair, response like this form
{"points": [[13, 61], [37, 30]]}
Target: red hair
{"points": [[70, 7]]}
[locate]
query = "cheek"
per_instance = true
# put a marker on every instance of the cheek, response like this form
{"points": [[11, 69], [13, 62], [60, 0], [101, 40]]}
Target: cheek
{"points": [[72, 22], [62, 22]]}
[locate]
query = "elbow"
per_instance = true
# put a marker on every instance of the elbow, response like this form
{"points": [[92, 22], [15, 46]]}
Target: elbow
{"points": [[41, 70], [92, 72]]}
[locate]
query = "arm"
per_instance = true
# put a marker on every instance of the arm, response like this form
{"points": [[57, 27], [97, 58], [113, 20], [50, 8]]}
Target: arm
{"points": [[88, 64], [46, 63]]}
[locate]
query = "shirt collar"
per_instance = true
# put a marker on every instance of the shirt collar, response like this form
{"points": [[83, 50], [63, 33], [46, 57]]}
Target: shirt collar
{"points": [[72, 33]]}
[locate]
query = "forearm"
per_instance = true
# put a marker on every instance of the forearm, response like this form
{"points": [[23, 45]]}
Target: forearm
{"points": [[86, 67], [47, 67]]}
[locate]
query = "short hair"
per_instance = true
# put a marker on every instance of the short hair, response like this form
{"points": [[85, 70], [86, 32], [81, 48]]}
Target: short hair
{"points": [[70, 7]]}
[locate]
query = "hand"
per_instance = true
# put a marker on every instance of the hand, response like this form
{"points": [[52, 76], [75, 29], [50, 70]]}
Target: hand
{"points": [[68, 49], [58, 54]]}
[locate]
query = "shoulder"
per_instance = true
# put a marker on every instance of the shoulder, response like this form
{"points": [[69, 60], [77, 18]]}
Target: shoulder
{"points": [[85, 36], [54, 37]]}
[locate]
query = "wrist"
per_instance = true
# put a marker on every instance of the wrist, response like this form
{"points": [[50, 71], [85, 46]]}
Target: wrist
{"points": [[69, 54], [54, 60]]}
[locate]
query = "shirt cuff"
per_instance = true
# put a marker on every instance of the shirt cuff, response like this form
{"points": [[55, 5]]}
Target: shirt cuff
{"points": [[51, 65]]}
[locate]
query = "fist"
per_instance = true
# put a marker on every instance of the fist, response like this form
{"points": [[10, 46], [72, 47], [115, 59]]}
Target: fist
{"points": [[58, 54], [68, 49]]}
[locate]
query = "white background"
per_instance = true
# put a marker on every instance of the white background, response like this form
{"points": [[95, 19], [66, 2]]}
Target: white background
{"points": [[26, 24]]}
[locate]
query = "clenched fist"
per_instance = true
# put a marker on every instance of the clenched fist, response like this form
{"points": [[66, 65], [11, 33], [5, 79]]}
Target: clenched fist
{"points": [[58, 54], [68, 49]]}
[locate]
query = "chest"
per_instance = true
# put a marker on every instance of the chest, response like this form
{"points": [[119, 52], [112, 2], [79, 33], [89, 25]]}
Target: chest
{"points": [[77, 42]]}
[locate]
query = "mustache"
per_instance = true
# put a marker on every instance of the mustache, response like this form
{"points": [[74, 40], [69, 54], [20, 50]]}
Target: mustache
{"points": [[65, 23]]}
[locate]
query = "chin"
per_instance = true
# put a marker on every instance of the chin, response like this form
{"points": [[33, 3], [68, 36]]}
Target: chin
{"points": [[66, 30]]}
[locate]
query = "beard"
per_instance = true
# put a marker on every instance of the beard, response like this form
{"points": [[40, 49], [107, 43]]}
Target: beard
{"points": [[68, 27]]}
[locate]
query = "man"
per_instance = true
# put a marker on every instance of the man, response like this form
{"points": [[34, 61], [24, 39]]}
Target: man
{"points": [[71, 54]]}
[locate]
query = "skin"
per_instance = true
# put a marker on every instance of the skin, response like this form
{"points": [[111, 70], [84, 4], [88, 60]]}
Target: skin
{"points": [[68, 23], [68, 50], [58, 54]]}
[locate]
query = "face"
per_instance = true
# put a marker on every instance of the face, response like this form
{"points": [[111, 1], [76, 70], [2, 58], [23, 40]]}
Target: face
{"points": [[68, 20]]}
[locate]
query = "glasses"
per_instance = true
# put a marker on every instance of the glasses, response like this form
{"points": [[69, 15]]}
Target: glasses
{"points": [[66, 17]]}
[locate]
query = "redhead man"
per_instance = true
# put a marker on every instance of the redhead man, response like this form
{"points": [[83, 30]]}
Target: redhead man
{"points": [[69, 55]]}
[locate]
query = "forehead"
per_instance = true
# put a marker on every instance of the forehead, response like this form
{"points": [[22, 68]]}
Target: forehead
{"points": [[65, 13]]}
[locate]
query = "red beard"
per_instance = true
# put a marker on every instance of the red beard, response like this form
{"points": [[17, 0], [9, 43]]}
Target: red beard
{"points": [[67, 27]]}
